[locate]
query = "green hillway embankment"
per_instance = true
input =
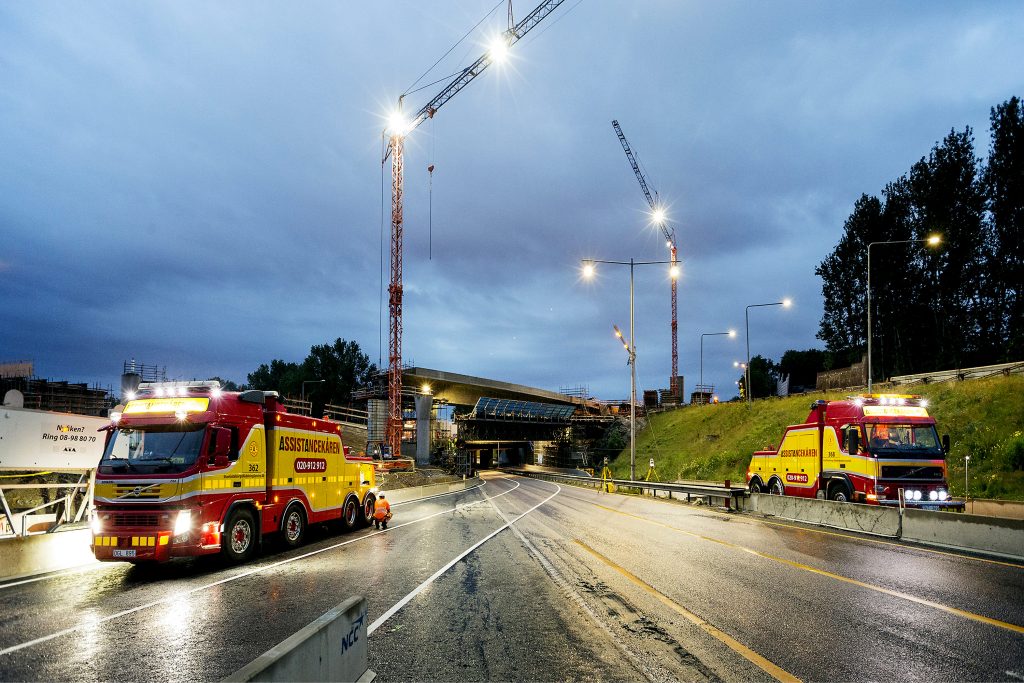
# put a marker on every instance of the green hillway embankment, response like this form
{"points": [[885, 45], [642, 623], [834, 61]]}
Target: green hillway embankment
{"points": [[983, 417]]}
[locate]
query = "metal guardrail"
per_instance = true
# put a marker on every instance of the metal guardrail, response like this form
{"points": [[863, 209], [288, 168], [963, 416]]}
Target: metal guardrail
{"points": [[729, 495], [959, 374]]}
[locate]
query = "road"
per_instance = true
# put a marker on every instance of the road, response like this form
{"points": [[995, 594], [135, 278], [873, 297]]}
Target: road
{"points": [[524, 579]]}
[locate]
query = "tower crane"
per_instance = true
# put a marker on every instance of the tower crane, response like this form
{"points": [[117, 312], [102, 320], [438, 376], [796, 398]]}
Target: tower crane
{"points": [[658, 214], [396, 133]]}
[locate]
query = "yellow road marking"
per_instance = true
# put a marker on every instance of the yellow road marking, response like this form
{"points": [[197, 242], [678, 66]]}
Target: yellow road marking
{"points": [[821, 572], [757, 660]]}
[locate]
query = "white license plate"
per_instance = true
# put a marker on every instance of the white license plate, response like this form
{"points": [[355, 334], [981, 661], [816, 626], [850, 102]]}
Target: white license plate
{"points": [[124, 553]]}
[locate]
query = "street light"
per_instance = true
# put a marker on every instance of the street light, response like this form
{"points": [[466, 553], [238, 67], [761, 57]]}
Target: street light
{"points": [[310, 381], [932, 241], [785, 303], [730, 333], [588, 272]]}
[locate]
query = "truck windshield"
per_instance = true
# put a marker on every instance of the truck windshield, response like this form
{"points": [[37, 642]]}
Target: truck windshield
{"points": [[895, 440], [154, 449]]}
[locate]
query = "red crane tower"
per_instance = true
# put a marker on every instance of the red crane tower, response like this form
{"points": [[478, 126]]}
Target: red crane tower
{"points": [[658, 214], [396, 132]]}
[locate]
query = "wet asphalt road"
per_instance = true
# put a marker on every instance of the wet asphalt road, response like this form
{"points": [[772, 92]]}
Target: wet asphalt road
{"points": [[583, 586]]}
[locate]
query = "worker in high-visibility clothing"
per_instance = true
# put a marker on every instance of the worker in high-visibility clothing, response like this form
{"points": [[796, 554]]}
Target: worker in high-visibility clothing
{"points": [[381, 512]]}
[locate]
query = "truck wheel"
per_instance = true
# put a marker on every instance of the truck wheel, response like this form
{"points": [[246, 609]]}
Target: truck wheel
{"points": [[239, 541], [776, 488], [293, 527], [755, 486], [839, 493], [350, 513], [366, 519]]}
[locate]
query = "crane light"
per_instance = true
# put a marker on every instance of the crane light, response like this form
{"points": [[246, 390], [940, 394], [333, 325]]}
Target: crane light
{"points": [[786, 303], [732, 333], [397, 124], [658, 216], [674, 272], [588, 270], [498, 50], [934, 240]]}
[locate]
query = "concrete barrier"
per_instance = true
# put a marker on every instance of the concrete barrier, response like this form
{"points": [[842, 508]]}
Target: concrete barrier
{"points": [[416, 492], [30, 555], [989, 535], [867, 519], [332, 648], [1008, 509]]}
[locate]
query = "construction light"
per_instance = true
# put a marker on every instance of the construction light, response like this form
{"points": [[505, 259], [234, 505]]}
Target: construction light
{"points": [[934, 240], [658, 216], [674, 272], [588, 270], [786, 303], [732, 333], [129, 396]]}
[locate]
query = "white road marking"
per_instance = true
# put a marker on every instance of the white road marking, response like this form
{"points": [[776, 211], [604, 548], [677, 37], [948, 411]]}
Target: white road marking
{"points": [[567, 589], [242, 575], [1016, 675], [419, 589]]}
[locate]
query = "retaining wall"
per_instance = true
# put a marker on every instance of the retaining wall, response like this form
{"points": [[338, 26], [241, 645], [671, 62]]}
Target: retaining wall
{"points": [[332, 648]]}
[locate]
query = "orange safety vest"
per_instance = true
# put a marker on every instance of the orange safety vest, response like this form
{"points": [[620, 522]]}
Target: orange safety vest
{"points": [[381, 509]]}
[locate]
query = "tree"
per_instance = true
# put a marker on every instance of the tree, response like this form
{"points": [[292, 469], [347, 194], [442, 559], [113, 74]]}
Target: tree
{"points": [[947, 199], [280, 376], [343, 367], [1004, 187], [803, 366], [764, 376], [843, 280]]}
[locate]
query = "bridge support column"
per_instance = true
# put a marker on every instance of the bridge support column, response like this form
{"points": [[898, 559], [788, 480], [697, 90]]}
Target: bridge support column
{"points": [[424, 404]]}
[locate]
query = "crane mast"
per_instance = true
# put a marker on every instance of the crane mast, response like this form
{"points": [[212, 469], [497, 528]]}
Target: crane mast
{"points": [[395, 150], [670, 239]]}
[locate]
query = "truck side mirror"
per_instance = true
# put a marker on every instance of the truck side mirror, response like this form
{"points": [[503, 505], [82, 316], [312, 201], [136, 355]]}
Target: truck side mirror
{"points": [[222, 445], [945, 443], [852, 442]]}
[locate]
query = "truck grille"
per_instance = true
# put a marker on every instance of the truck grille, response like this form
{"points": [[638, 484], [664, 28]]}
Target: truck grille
{"points": [[911, 472], [134, 519]]}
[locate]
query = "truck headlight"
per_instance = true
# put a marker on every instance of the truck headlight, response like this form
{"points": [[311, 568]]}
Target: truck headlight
{"points": [[933, 495], [943, 495], [917, 495], [96, 524], [183, 524]]}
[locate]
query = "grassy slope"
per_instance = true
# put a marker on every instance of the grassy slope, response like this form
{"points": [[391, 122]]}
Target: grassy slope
{"points": [[984, 418]]}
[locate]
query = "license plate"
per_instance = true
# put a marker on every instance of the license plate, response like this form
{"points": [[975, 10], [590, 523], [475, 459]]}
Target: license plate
{"points": [[124, 553], [930, 507]]}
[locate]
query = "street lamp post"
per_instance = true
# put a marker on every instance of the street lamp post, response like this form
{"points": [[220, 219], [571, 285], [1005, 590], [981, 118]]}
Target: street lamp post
{"points": [[588, 271], [310, 381], [931, 241], [731, 333], [785, 303]]}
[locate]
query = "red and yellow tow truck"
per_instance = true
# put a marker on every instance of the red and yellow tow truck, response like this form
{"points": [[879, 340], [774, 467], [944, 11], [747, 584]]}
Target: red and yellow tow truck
{"points": [[189, 469], [879, 449]]}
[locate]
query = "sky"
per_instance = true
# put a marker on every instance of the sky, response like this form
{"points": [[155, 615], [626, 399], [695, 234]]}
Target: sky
{"points": [[199, 186]]}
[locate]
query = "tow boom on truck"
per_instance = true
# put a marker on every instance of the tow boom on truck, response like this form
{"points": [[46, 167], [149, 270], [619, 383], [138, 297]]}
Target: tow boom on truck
{"points": [[880, 449], [189, 469]]}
